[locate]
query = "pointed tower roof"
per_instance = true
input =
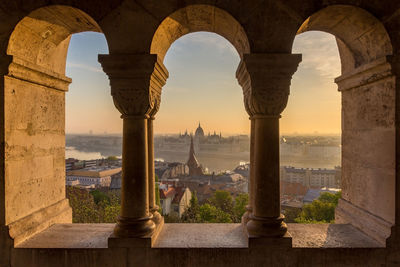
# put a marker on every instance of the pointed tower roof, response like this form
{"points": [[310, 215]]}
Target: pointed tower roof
{"points": [[192, 161]]}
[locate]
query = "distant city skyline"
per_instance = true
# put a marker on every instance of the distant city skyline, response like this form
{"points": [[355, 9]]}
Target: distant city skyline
{"points": [[202, 87]]}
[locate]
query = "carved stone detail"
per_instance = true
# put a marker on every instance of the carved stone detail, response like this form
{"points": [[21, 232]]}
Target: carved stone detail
{"points": [[136, 81], [265, 79], [29, 72], [368, 73]]}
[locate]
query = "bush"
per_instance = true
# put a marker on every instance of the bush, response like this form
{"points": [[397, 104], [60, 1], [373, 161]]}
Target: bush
{"points": [[321, 210]]}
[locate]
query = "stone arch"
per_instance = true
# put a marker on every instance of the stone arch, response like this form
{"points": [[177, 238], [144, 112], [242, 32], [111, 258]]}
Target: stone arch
{"points": [[360, 36], [367, 88], [196, 18], [42, 37], [33, 185]]}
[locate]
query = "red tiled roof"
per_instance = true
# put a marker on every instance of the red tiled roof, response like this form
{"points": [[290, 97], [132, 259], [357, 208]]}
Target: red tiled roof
{"points": [[294, 189], [167, 193], [179, 194]]}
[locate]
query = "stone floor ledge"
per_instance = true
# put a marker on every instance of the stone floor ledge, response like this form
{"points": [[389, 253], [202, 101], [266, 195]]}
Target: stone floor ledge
{"points": [[201, 236]]}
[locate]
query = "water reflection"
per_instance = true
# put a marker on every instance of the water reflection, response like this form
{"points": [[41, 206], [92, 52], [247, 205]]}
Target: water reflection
{"points": [[71, 152]]}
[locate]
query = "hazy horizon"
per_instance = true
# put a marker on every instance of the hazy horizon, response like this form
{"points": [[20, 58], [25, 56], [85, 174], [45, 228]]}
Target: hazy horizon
{"points": [[227, 135], [202, 87]]}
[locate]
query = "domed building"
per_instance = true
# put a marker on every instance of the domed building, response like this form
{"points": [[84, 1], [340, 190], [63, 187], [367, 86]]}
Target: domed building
{"points": [[199, 132]]}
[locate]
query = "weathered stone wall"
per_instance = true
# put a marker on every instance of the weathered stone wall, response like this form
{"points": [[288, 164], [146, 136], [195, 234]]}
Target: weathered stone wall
{"points": [[34, 120], [32, 104], [34, 148], [34, 152], [368, 149], [201, 257]]}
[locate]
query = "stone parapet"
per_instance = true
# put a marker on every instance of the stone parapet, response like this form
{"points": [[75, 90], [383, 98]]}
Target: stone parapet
{"points": [[40, 220], [368, 223]]}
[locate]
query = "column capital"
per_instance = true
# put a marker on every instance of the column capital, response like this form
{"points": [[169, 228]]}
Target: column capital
{"points": [[265, 80], [136, 82]]}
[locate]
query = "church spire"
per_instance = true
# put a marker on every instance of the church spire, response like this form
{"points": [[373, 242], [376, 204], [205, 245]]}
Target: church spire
{"points": [[191, 152], [192, 163]]}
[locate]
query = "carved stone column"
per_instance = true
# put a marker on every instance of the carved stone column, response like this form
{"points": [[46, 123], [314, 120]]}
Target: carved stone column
{"points": [[249, 209], [265, 79], [157, 218], [136, 82]]}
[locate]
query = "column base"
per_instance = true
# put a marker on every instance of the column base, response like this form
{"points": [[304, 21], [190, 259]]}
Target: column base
{"points": [[246, 216], [266, 227], [145, 241], [267, 232], [134, 227], [156, 216]]}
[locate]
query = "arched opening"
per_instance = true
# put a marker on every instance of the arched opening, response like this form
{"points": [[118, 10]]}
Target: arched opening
{"points": [[196, 18], [310, 144], [93, 135], [199, 103], [35, 119], [368, 133]]}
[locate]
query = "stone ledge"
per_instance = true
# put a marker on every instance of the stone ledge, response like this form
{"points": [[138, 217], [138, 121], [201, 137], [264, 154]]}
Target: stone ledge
{"points": [[138, 242], [197, 236], [368, 223], [29, 226], [329, 236], [74, 235]]}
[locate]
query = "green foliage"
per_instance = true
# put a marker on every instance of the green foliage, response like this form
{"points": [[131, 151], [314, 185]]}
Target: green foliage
{"points": [[104, 207], [222, 200], [327, 197], [192, 214], [239, 208], [111, 213], [172, 218], [157, 192], [112, 158], [212, 214], [219, 209], [99, 196], [321, 210], [291, 214], [82, 204], [87, 209]]}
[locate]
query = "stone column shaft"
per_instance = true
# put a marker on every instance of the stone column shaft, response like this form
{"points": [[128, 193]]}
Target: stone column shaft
{"points": [[266, 169], [135, 219], [152, 195], [134, 202], [136, 81], [249, 209], [265, 79]]}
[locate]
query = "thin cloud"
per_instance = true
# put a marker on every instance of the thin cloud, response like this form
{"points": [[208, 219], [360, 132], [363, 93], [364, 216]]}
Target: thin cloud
{"points": [[320, 53], [208, 39], [84, 67], [174, 89]]}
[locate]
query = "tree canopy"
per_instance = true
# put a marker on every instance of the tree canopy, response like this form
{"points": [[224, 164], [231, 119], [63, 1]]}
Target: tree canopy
{"points": [[321, 210]]}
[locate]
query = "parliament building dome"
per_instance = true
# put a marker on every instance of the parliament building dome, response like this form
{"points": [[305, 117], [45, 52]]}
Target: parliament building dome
{"points": [[199, 131]]}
